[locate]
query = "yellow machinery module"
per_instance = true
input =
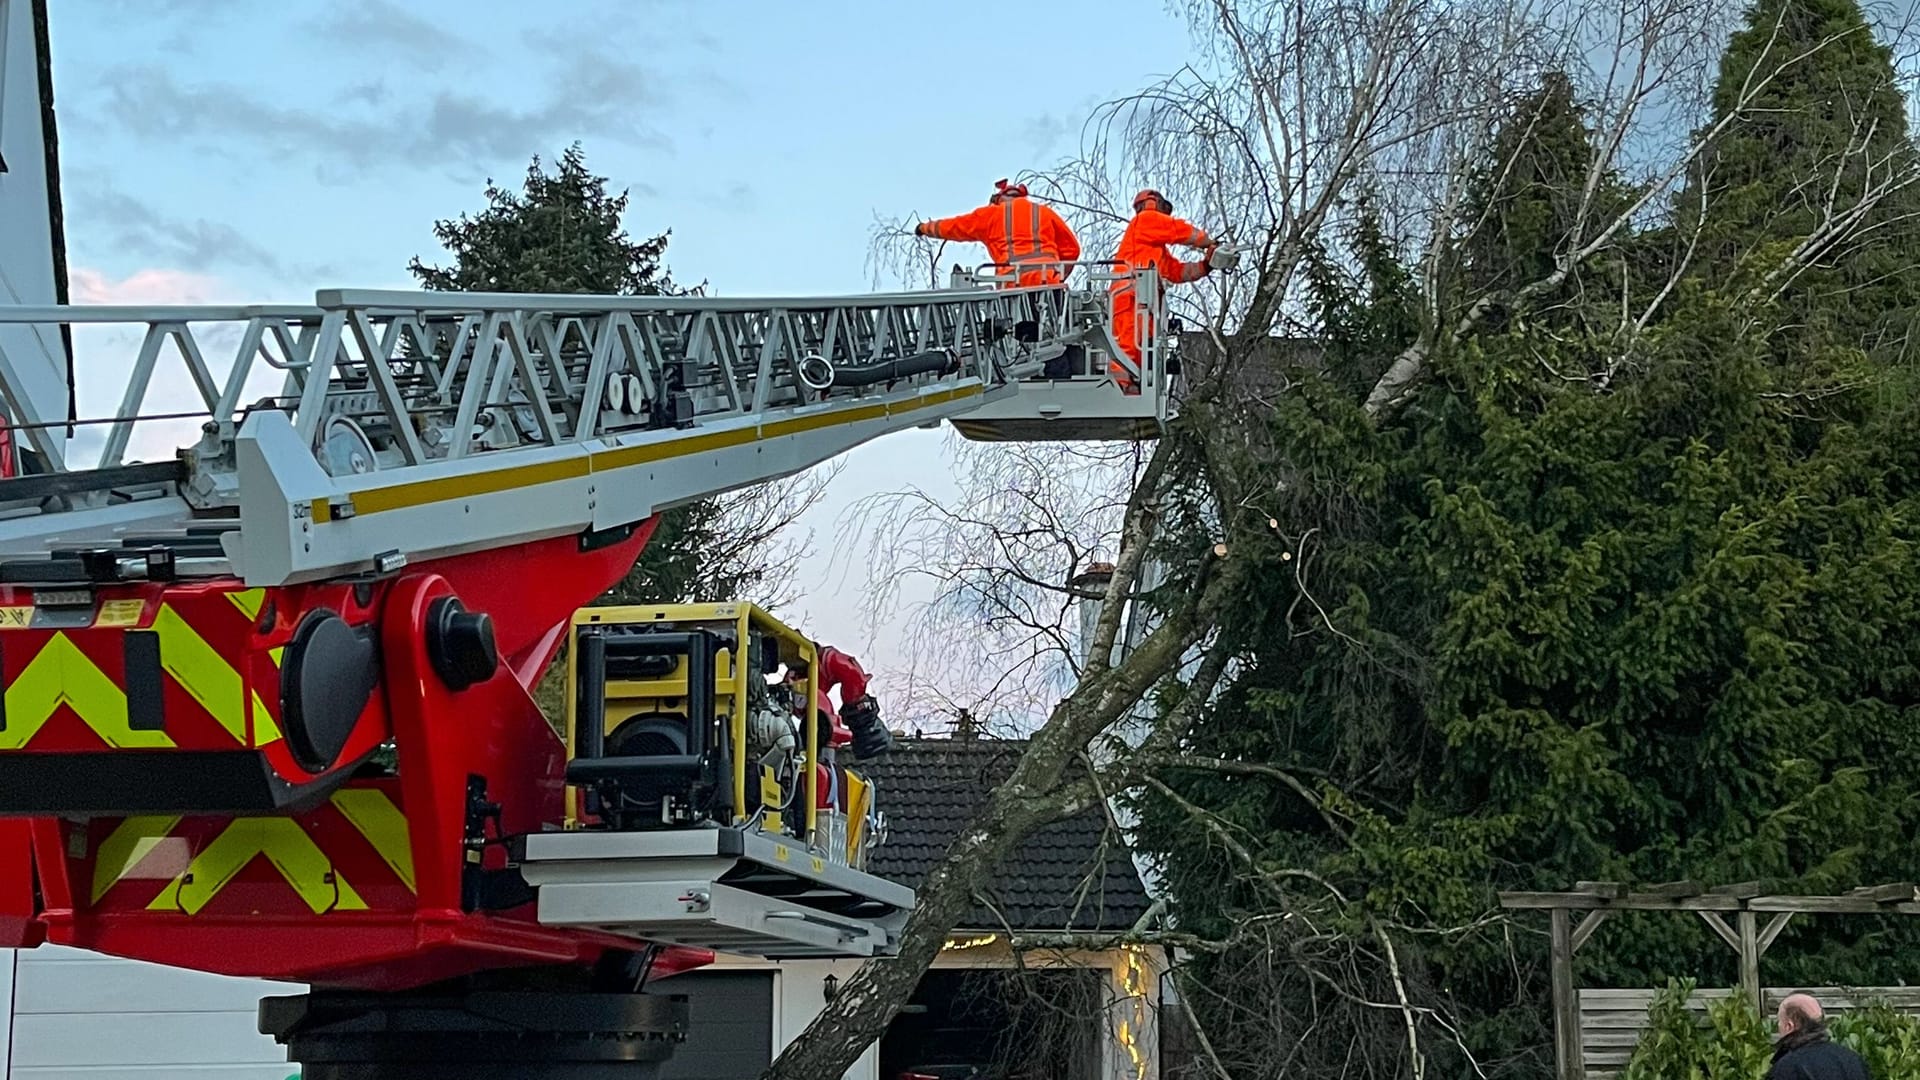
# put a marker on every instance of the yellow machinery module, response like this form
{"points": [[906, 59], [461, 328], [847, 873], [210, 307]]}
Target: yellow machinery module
{"points": [[686, 715]]}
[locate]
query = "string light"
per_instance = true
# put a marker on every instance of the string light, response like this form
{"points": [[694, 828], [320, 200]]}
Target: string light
{"points": [[1133, 982]]}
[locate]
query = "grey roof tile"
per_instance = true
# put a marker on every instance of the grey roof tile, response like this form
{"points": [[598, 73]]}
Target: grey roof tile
{"points": [[1070, 875]]}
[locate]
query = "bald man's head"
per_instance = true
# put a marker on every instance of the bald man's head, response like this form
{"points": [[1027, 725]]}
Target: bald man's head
{"points": [[1797, 1012]]}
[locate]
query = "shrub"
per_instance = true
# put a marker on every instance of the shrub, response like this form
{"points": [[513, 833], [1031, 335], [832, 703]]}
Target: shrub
{"points": [[1736, 1043], [1888, 1041]]}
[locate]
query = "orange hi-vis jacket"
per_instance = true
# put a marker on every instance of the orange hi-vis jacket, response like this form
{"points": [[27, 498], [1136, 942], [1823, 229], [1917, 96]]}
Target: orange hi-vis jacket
{"points": [[1019, 231], [1145, 243]]}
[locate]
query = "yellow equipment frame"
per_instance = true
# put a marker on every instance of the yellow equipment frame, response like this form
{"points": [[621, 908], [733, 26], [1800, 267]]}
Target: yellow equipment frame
{"points": [[731, 673]]}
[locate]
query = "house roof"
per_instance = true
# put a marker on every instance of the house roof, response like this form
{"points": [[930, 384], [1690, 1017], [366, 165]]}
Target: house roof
{"points": [[1071, 875]]}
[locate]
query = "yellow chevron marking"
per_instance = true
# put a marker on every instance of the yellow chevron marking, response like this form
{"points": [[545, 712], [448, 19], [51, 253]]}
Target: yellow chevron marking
{"points": [[265, 731], [131, 841], [202, 672], [248, 601], [60, 674], [285, 844], [382, 823]]}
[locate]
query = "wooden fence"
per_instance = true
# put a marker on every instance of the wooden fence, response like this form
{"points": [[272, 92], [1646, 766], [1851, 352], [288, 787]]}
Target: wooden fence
{"points": [[1611, 1020]]}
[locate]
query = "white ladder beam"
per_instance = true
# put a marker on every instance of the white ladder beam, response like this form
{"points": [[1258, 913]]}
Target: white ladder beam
{"points": [[414, 425]]}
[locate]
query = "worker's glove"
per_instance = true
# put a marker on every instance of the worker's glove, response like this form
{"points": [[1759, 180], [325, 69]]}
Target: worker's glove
{"points": [[925, 228], [870, 737]]}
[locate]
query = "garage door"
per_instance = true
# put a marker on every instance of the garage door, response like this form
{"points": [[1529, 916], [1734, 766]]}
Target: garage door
{"points": [[730, 1016]]}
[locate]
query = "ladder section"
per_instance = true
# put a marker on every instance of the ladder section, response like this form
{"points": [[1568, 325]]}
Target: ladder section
{"points": [[1077, 396], [376, 428], [714, 888]]}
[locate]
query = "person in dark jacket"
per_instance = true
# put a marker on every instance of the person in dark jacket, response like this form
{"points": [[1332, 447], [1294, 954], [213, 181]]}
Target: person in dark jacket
{"points": [[1804, 1052]]}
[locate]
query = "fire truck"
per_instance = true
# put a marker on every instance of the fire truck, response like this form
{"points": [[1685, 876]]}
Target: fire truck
{"points": [[269, 696]]}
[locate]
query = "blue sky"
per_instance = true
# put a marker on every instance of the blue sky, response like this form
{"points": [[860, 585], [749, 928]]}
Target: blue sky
{"points": [[214, 150]]}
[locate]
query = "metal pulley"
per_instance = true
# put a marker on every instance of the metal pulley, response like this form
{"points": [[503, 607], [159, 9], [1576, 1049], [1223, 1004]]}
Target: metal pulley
{"points": [[345, 450], [625, 394]]}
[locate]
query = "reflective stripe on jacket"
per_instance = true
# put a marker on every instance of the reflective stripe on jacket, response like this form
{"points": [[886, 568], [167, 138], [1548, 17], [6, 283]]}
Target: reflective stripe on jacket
{"points": [[1018, 232]]}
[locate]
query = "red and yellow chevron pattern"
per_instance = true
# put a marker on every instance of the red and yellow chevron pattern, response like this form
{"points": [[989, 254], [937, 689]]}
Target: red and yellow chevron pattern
{"points": [[350, 854], [68, 682]]}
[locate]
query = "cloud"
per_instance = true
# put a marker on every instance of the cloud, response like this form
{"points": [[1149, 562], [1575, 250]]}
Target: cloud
{"points": [[177, 28], [372, 92], [196, 12], [578, 47], [183, 9], [387, 27], [596, 97], [737, 198], [674, 26], [1042, 133], [116, 220], [155, 285]]}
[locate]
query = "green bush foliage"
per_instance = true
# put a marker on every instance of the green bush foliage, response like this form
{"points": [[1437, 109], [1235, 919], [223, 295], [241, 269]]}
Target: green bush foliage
{"points": [[1736, 1043]]}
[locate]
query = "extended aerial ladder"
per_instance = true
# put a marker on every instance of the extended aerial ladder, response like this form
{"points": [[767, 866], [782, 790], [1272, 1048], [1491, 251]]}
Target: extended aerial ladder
{"points": [[200, 652]]}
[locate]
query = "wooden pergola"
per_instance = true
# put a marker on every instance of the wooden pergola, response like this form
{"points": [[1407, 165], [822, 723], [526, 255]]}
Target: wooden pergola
{"points": [[1734, 912]]}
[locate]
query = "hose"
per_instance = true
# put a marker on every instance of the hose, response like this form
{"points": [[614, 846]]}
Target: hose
{"points": [[937, 362]]}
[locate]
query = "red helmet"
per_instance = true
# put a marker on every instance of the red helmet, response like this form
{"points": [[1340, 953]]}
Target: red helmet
{"points": [[1163, 204], [1004, 190]]}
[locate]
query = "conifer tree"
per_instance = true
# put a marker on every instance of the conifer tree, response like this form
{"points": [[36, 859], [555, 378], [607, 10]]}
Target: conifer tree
{"points": [[1820, 133], [564, 232], [1527, 191]]}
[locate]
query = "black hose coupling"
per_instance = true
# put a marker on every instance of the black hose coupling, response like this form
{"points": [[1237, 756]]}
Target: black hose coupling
{"points": [[460, 644]]}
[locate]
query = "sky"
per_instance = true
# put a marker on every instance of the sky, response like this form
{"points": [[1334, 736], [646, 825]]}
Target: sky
{"points": [[224, 151]]}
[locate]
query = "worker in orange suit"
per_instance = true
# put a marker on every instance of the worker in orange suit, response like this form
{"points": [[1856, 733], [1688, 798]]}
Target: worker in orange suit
{"points": [[1147, 243], [1018, 230]]}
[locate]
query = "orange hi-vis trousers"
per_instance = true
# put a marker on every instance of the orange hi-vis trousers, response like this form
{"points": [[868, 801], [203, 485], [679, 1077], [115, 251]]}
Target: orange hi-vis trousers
{"points": [[1145, 245], [1129, 332]]}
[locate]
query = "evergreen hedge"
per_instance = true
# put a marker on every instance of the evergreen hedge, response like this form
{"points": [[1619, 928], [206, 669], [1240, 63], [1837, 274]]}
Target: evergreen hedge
{"points": [[1736, 1043]]}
